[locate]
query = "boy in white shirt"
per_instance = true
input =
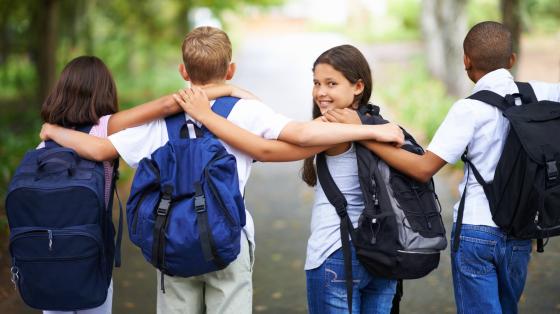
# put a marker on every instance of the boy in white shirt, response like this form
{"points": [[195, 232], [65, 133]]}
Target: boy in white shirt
{"points": [[489, 268], [207, 61]]}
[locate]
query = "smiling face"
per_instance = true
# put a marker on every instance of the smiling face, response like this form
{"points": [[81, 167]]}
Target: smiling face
{"points": [[332, 90]]}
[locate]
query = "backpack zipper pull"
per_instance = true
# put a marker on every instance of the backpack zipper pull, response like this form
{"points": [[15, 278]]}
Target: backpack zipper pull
{"points": [[15, 276], [50, 239]]}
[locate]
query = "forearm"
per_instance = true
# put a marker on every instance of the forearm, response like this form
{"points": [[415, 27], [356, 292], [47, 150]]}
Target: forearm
{"points": [[155, 109], [87, 146], [419, 167], [255, 146], [322, 133]]}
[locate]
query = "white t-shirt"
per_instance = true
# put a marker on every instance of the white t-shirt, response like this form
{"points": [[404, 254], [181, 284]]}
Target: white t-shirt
{"points": [[483, 129], [134, 144]]}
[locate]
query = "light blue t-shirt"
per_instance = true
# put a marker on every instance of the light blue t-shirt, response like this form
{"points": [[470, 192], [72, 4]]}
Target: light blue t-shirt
{"points": [[325, 223]]}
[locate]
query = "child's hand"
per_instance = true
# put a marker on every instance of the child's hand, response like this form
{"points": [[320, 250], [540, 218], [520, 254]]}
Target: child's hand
{"points": [[46, 130], [346, 115], [390, 132], [194, 101]]}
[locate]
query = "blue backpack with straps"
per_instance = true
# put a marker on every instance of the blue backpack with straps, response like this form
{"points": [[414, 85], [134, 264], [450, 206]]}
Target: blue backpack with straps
{"points": [[62, 238], [185, 210]]}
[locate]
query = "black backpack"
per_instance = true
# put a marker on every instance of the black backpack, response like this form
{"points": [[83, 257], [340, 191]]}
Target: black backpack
{"points": [[524, 196], [400, 232]]}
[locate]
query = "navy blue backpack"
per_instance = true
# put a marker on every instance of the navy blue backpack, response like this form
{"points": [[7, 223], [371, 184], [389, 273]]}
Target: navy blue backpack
{"points": [[185, 210], [62, 238]]}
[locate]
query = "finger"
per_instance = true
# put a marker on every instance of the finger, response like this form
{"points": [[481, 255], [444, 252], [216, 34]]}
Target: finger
{"points": [[328, 115], [178, 99], [337, 114], [182, 93]]}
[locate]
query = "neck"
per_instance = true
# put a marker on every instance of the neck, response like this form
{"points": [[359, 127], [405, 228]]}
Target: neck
{"points": [[209, 84], [476, 75]]}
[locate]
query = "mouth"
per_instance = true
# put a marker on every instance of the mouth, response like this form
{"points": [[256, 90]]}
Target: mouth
{"points": [[324, 104]]}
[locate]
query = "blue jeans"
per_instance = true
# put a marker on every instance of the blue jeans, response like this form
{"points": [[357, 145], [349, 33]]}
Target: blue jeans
{"points": [[326, 288], [489, 270]]}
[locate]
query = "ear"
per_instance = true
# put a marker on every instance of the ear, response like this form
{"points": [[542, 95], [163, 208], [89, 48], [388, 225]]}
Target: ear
{"points": [[231, 71], [183, 72], [512, 60], [359, 87], [467, 62]]}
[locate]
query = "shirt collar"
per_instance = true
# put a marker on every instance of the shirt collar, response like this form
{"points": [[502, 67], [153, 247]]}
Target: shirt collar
{"points": [[489, 81]]}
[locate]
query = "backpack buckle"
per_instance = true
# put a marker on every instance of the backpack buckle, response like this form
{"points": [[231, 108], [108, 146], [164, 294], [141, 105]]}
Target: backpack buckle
{"points": [[199, 204], [163, 207], [551, 170]]}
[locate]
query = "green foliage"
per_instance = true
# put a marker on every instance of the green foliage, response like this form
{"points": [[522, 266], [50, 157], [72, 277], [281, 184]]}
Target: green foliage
{"points": [[419, 100], [537, 15], [20, 132]]}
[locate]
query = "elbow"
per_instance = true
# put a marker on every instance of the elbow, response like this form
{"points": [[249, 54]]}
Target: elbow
{"points": [[423, 175], [264, 155], [303, 138]]}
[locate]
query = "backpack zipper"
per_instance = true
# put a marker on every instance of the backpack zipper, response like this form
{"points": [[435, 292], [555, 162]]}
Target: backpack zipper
{"points": [[228, 216]]}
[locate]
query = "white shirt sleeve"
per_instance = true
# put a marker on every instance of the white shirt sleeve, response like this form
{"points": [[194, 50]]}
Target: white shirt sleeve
{"points": [[133, 144], [258, 118], [454, 133], [546, 91]]}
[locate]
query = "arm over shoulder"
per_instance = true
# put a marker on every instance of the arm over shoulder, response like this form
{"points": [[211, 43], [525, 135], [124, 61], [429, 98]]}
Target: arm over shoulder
{"points": [[256, 117], [134, 144], [455, 132]]}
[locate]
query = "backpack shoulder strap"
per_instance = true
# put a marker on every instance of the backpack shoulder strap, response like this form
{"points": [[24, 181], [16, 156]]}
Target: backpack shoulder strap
{"points": [[491, 99], [224, 105], [337, 199], [174, 124], [527, 92]]}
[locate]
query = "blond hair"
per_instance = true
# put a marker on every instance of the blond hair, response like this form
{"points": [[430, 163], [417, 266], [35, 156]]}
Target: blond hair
{"points": [[206, 54]]}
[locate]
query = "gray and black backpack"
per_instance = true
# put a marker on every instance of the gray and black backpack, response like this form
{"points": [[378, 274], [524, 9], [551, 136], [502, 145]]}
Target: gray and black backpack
{"points": [[400, 232]]}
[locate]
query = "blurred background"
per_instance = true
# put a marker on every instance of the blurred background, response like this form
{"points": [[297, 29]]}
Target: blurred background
{"points": [[414, 48]]}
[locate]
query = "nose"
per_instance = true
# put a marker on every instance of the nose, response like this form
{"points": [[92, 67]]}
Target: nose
{"points": [[321, 91]]}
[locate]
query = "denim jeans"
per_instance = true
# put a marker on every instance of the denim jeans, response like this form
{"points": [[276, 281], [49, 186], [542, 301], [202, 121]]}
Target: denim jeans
{"points": [[489, 270], [326, 288]]}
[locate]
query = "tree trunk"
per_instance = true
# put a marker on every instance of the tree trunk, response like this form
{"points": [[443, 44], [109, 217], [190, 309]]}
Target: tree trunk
{"points": [[444, 26], [511, 18], [46, 20]]}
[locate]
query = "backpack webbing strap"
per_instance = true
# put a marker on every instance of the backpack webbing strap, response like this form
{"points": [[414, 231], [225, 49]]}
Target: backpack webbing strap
{"points": [[118, 240], [491, 98], [461, 209], [395, 309], [162, 215], [527, 91], [204, 231], [337, 199]]}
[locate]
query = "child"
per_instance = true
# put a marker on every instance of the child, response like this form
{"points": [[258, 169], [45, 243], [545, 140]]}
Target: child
{"points": [[86, 94], [342, 79], [490, 268], [207, 56]]}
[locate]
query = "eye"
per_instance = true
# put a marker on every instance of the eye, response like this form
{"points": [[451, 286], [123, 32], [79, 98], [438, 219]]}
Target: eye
{"points": [[315, 83], [332, 84]]}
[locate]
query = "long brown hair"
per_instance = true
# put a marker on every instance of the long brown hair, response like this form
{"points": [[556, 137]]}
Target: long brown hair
{"points": [[84, 93], [352, 64]]}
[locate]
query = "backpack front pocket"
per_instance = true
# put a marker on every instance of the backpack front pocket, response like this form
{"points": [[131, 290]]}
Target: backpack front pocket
{"points": [[550, 213], [419, 204], [59, 269]]}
